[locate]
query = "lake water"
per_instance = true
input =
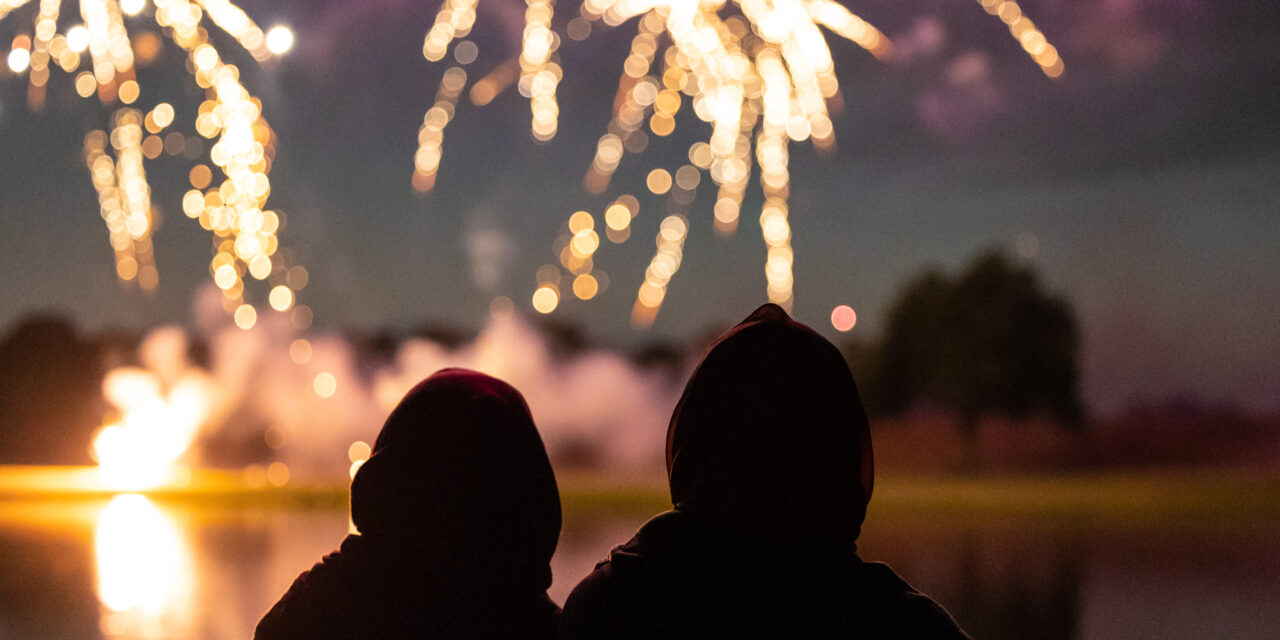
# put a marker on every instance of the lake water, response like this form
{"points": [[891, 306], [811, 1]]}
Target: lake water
{"points": [[135, 567]]}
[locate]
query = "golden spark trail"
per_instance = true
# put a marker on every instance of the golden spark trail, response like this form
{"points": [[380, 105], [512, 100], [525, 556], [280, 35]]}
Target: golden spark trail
{"points": [[233, 209], [759, 72], [124, 197], [663, 266], [539, 75], [762, 78], [426, 162], [1027, 34]]}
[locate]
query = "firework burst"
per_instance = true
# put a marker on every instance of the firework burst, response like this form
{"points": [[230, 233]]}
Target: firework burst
{"points": [[758, 71], [233, 207]]}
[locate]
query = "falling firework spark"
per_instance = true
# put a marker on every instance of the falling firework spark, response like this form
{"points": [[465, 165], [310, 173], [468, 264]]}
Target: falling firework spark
{"points": [[124, 197], [1027, 34], [758, 71], [233, 209]]}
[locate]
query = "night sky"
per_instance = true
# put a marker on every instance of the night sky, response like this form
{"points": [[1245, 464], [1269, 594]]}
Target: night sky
{"points": [[1147, 175]]}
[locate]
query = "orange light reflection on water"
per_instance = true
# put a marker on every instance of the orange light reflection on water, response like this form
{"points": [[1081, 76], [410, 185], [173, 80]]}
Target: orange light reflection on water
{"points": [[145, 577]]}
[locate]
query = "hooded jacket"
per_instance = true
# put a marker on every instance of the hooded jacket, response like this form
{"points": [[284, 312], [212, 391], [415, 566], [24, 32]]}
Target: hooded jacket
{"points": [[458, 514], [770, 467]]}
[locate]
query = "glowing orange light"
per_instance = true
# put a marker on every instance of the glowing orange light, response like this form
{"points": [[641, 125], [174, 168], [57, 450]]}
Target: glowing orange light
{"points": [[200, 177], [246, 316], [545, 299], [581, 221], [281, 298], [155, 427], [659, 181], [359, 450], [617, 217], [585, 287], [277, 474]]}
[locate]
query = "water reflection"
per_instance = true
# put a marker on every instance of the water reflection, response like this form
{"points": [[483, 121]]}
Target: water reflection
{"points": [[176, 568], [144, 571]]}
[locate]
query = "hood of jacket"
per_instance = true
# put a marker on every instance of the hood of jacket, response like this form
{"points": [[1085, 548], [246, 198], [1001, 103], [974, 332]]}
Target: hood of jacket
{"points": [[459, 477], [770, 441]]}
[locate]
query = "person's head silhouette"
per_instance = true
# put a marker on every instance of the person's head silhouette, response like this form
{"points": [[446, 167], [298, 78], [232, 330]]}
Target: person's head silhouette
{"points": [[770, 439], [458, 515], [769, 460], [459, 471]]}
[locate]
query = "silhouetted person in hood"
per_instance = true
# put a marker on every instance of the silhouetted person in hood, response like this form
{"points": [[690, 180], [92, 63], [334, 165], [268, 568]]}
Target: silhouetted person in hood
{"points": [[769, 459], [458, 514]]}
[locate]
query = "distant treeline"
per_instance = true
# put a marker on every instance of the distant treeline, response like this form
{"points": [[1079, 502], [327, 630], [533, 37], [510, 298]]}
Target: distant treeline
{"points": [[977, 369], [51, 389]]}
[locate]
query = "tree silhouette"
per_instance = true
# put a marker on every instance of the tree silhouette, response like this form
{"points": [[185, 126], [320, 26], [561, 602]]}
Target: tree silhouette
{"points": [[50, 392], [992, 340]]}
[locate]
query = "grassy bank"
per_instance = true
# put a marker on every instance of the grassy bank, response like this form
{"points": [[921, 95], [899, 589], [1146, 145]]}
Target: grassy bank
{"points": [[1126, 495]]}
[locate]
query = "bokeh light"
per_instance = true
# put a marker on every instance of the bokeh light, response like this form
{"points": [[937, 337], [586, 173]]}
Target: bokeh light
{"points": [[279, 40], [78, 38], [325, 385], [132, 7], [359, 450], [545, 299], [278, 474], [246, 316], [300, 351], [843, 318], [617, 217], [1027, 34], [19, 60], [585, 286], [502, 307], [280, 298], [658, 181], [671, 236], [580, 222]]}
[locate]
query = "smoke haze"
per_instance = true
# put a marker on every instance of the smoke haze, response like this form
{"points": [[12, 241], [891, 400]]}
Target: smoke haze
{"points": [[593, 406]]}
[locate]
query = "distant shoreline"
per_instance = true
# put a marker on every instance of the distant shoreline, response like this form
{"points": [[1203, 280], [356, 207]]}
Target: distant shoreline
{"points": [[1127, 495]]}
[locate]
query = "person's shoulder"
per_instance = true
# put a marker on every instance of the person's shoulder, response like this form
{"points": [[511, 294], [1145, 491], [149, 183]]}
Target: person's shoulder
{"points": [[315, 598], [902, 609], [591, 605]]}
